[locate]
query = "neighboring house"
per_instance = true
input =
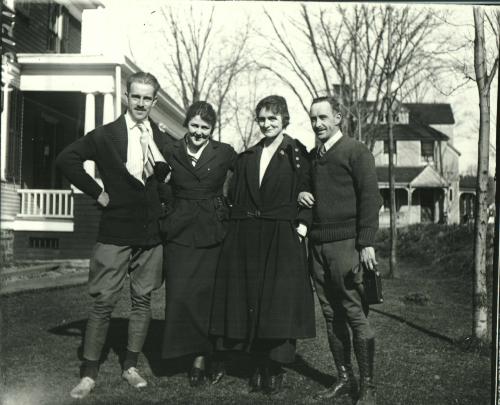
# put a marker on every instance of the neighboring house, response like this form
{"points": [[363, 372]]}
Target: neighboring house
{"points": [[468, 184], [58, 83], [425, 164]]}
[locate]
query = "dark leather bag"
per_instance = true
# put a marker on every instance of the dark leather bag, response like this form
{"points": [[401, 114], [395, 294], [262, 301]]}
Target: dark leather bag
{"points": [[372, 286]]}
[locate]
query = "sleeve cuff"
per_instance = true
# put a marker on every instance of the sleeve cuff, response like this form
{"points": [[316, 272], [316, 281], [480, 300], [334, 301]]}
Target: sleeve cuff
{"points": [[366, 237]]}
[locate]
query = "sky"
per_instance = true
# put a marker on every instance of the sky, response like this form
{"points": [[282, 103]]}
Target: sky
{"points": [[143, 22]]}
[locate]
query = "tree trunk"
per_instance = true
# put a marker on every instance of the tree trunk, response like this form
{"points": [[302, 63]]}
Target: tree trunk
{"points": [[480, 320], [393, 269]]}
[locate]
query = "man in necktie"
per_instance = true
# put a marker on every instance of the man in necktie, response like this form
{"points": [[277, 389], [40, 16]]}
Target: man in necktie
{"points": [[152, 158], [345, 202], [132, 172]]}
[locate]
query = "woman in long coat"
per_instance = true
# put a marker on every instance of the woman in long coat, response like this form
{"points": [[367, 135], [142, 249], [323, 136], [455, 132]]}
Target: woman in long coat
{"points": [[194, 228], [263, 298]]}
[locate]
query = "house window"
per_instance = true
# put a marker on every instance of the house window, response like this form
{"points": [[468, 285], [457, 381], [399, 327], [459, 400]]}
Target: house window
{"points": [[58, 25], [427, 151], [386, 147], [403, 117]]}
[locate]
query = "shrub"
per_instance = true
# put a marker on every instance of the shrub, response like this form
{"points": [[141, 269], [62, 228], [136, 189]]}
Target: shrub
{"points": [[449, 247]]}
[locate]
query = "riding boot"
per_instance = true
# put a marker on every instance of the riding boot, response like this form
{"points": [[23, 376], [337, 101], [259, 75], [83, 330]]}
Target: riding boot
{"points": [[365, 353], [340, 346]]}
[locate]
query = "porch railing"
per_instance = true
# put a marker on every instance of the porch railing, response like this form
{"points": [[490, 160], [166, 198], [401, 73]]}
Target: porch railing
{"points": [[46, 203]]}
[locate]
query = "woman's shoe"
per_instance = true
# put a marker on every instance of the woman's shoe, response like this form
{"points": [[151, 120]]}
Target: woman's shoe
{"points": [[217, 371], [196, 377], [255, 382], [272, 379]]}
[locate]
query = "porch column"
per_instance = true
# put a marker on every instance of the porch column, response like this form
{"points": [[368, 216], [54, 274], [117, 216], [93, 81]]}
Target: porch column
{"points": [[108, 113], [410, 192], [4, 129], [89, 165], [437, 205]]}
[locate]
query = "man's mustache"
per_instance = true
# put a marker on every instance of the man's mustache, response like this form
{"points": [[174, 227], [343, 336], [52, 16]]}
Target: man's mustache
{"points": [[139, 109]]}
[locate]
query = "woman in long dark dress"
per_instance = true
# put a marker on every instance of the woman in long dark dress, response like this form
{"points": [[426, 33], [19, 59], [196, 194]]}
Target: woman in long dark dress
{"points": [[194, 229], [263, 297]]}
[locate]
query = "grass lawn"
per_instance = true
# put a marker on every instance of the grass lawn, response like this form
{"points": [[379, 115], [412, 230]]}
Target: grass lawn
{"points": [[417, 361]]}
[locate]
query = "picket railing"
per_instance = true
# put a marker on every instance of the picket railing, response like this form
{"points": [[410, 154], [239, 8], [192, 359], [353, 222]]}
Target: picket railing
{"points": [[46, 203]]}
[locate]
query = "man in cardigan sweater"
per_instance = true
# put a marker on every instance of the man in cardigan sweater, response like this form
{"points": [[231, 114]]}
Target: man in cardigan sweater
{"points": [[345, 203], [128, 240]]}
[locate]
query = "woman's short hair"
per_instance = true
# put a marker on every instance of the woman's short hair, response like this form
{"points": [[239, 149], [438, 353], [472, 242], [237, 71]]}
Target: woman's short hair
{"points": [[204, 110], [145, 78], [277, 105]]}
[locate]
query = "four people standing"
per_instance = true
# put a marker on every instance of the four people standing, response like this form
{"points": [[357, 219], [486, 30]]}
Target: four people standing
{"points": [[236, 277]]}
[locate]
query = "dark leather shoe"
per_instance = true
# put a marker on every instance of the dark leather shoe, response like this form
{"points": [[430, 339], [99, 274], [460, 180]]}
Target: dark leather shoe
{"points": [[345, 384], [255, 382], [196, 377], [217, 371], [272, 381], [367, 395]]}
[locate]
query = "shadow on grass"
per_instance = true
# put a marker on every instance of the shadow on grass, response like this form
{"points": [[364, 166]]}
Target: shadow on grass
{"points": [[414, 326], [116, 342], [303, 367], [238, 364]]}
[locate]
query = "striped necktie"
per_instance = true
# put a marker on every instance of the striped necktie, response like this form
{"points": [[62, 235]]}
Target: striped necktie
{"points": [[192, 159], [147, 157], [321, 151]]}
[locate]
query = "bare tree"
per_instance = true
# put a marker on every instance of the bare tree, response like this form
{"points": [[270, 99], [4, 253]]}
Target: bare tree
{"points": [[393, 268], [202, 64], [347, 57], [483, 78], [244, 101]]}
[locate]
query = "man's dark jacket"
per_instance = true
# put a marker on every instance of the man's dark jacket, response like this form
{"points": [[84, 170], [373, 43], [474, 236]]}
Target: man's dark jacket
{"points": [[131, 217]]}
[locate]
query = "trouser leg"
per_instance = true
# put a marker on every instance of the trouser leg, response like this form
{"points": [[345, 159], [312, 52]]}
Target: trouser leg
{"points": [[145, 276], [336, 324], [108, 267], [342, 258]]}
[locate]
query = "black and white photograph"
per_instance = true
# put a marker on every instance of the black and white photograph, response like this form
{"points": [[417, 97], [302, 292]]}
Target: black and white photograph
{"points": [[249, 202]]}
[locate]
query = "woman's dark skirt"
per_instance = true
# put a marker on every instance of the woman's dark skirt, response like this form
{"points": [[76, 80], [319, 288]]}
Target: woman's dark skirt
{"points": [[263, 297], [189, 283]]}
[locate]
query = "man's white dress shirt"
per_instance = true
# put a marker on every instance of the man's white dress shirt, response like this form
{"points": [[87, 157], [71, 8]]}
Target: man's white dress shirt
{"points": [[135, 159]]}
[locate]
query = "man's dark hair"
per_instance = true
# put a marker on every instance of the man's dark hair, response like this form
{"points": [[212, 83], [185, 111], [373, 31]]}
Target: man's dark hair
{"points": [[277, 105], [204, 110], [334, 104], [145, 78]]}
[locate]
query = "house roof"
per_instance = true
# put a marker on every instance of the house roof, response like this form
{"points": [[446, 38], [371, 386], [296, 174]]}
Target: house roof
{"points": [[427, 113], [431, 113], [429, 177], [409, 132], [401, 174], [413, 176]]}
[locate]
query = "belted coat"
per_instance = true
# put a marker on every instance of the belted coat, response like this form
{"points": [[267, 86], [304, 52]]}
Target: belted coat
{"points": [[194, 227], [262, 287], [197, 209]]}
